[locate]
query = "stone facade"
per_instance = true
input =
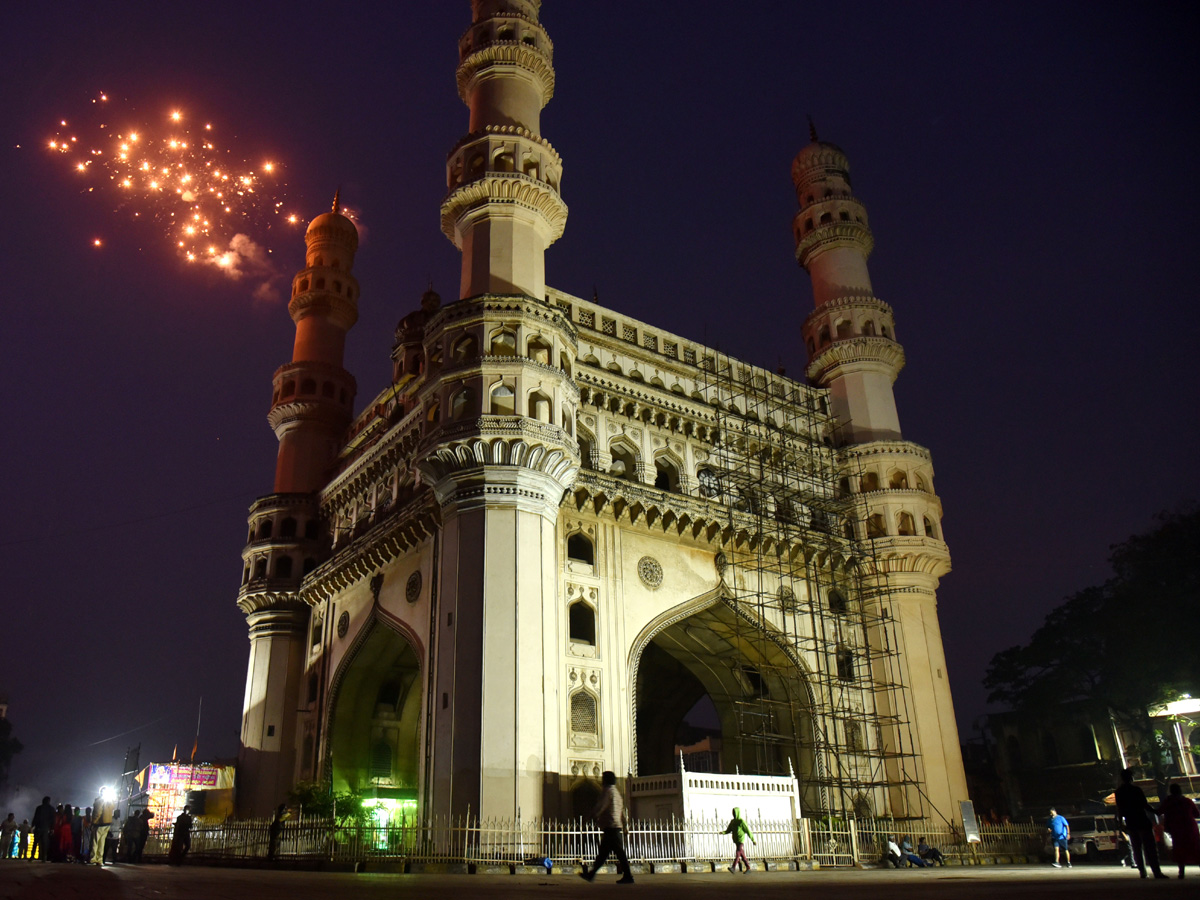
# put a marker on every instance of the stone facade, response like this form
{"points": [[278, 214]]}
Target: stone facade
{"points": [[559, 528]]}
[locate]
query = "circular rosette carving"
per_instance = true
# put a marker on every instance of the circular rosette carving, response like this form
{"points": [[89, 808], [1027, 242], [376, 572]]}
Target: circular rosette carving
{"points": [[650, 571]]}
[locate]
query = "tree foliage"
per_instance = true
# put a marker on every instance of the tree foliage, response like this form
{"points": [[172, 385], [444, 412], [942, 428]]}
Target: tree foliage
{"points": [[1123, 647], [9, 747]]}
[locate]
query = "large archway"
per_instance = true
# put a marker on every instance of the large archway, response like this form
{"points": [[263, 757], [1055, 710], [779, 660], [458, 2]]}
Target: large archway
{"points": [[375, 717], [713, 654]]}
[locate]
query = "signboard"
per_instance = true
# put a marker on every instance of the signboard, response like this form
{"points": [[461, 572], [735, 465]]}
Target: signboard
{"points": [[970, 824], [185, 777]]}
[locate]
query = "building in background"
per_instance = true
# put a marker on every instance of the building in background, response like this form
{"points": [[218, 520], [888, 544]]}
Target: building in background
{"points": [[560, 529]]}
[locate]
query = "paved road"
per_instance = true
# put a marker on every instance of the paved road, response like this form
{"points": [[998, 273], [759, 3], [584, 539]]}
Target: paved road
{"points": [[39, 881]]}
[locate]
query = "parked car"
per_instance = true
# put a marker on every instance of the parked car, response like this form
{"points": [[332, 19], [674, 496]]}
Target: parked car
{"points": [[1094, 836]]}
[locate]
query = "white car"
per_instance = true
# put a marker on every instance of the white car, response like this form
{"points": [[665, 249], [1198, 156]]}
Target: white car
{"points": [[1092, 836]]}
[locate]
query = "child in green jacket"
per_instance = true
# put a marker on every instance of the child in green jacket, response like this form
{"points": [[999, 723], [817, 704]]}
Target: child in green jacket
{"points": [[740, 831]]}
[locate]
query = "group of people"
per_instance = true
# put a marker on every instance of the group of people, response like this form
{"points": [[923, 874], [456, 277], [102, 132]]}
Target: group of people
{"points": [[1176, 815], [900, 853], [64, 833]]}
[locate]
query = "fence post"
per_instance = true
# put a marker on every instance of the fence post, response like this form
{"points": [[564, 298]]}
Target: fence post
{"points": [[806, 839], [853, 841]]}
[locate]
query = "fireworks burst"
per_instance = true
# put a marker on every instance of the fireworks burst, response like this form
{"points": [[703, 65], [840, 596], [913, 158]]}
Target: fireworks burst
{"points": [[173, 172]]}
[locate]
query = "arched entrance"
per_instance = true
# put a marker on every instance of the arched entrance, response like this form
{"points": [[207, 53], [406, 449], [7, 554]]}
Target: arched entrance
{"points": [[713, 654], [374, 725]]}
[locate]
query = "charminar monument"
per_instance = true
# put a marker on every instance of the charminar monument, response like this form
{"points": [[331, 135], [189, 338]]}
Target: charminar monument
{"points": [[561, 534]]}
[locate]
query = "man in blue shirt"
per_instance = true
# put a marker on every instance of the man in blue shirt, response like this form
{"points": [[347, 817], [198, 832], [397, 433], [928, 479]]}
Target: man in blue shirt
{"points": [[1060, 835]]}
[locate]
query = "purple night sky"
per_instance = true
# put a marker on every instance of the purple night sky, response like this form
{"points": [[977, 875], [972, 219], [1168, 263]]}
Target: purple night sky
{"points": [[1025, 167]]}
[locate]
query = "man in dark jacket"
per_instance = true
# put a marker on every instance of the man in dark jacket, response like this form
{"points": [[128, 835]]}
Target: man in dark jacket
{"points": [[1135, 809], [43, 821]]}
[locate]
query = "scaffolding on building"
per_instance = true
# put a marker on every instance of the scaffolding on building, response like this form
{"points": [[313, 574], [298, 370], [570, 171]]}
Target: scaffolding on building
{"points": [[801, 577]]}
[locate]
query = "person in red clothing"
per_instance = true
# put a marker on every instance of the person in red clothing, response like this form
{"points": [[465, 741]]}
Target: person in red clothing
{"points": [[1179, 818]]}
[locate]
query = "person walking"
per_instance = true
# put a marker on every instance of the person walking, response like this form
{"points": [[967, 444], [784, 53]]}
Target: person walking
{"points": [[8, 836], [102, 819], [1179, 818], [1135, 810], [23, 839], [739, 831], [610, 815], [275, 831], [1060, 837], [43, 824]]}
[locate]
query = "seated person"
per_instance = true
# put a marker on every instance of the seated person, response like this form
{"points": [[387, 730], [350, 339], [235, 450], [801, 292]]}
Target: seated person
{"points": [[902, 855], [932, 854]]}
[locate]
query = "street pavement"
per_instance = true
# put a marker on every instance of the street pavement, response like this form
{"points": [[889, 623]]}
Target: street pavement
{"points": [[48, 881]]}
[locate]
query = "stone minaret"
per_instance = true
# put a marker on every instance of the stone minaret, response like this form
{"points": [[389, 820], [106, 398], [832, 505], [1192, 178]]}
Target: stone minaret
{"points": [[503, 208], [852, 349], [311, 407], [500, 450]]}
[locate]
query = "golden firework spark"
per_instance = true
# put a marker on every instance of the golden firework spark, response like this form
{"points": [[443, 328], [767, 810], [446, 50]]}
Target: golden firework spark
{"points": [[201, 193]]}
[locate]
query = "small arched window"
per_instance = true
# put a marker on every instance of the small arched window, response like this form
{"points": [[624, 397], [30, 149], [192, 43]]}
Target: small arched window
{"points": [[581, 622], [283, 567], [930, 528], [845, 664], [463, 404], [539, 351], [869, 327], [869, 481], [823, 336], [503, 400], [541, 408], [465, 349], [885, 331], [845, 329], [434, 413], [837, 601], [876, 526], [666, 475], [904, 524], [584, 717], [264, 529], [624, 463], [580, 549], [921, 485], [826, 218], [899, 480], [260, 569], [504, 343]]}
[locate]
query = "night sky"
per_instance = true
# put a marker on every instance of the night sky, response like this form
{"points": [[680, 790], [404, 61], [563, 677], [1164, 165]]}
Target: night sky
{"points": [[1029, 171]]}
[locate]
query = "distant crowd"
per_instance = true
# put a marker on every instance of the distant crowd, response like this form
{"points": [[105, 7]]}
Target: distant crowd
{"points": [[64, 833]]}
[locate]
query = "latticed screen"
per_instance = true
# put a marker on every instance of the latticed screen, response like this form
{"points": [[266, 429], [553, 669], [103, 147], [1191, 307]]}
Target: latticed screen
{"points": [[583, 713], [381, 760]]}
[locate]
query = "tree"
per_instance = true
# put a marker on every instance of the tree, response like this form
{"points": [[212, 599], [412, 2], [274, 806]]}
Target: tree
{"points": [[9, 747], [1123, 648]]}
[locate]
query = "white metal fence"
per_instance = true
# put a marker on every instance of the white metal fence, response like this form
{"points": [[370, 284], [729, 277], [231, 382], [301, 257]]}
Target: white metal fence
{"points": [[832, 842]]}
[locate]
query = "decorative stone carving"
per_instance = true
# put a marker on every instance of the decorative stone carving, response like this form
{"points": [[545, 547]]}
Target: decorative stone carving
{"points": [[343, 624], [650, 571], [412, 588]]}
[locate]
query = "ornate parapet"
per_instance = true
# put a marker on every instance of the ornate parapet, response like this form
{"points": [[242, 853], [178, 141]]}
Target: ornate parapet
{"points": [[539, 201], [511, 54], [856, 354]]}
